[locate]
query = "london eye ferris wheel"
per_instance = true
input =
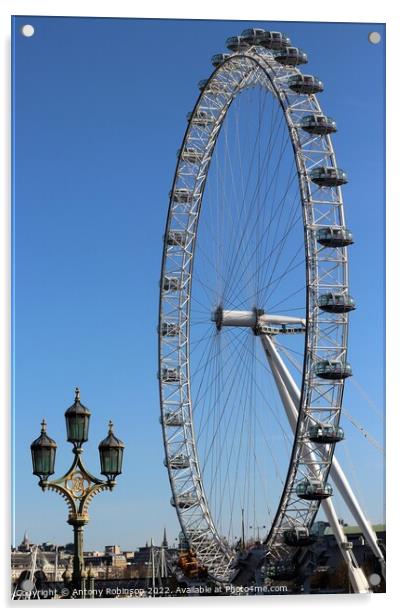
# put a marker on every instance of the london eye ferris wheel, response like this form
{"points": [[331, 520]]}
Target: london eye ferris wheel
{"points": [[253, 315]]}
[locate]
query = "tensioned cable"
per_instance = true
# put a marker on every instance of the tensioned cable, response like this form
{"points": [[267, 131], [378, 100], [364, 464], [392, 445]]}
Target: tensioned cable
{"points": [[365, 395], [239, 211], [217, 419], [225, 201], [345, 412], [272, 182], [233, 351], [247, 229], [233, 257], [221, 445]]}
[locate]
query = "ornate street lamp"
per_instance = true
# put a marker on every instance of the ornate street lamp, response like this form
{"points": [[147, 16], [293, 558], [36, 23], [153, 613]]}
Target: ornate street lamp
{"points": [[78, 486]]}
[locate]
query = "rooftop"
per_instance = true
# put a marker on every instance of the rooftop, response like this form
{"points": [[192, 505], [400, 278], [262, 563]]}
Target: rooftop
{"points": [[356, 530]]}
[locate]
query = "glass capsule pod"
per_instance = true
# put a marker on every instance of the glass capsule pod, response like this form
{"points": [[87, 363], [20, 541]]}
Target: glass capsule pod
{"points": [[219, 58], [214, 86], [274, 40], [337, 303], [202, 83], [334, 237], [182, 195], [291, 56], [299, 536], [173, 419], [305, 84], [318, 124], [190, 155], [253, 36], [170, 375], [201, 118], [171, 284], [326, 434], [332, 369], [236, 43], [178, 461], [313, 489], [185, 501], [176, 238], [328, 176], [170, 329]]}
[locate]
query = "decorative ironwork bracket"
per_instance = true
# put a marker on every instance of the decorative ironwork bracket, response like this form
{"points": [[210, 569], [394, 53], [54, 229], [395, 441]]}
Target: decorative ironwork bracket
{"points": [[78, 487]]}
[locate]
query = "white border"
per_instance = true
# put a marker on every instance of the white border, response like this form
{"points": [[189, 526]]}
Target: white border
{"points": [[387, 11]]}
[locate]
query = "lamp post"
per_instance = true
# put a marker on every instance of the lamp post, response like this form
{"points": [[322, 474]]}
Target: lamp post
{"points": [[258, 531], [77, 486]]}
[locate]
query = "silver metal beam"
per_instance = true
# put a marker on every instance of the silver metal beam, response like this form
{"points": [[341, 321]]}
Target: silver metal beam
{"points": [[356, 575], [336, 472]]}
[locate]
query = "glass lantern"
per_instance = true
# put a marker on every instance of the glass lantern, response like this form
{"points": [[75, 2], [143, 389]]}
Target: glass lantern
{"points": [[43, 451], [111, 455], [77, 421]]}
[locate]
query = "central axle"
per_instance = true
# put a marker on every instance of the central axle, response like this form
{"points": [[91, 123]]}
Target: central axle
{"points": [[257, 320]]}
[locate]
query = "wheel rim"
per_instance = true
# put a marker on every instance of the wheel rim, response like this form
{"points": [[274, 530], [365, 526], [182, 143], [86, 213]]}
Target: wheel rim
{"points": [[325, 337]]}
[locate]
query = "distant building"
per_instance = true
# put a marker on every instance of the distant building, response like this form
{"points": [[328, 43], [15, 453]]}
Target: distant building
{"points": [[329, 572], [112, 549], [48, 561]]}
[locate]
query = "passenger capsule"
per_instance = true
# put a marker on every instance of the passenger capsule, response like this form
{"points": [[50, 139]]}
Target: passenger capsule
{"points": [[334, 237], [318, 124], [291, 56], [173, 419], [190, 155], [253, 36], [176, 238], [171, 375], [219, 58], [274, 40], [170, 284], [313, 489], [178, 462], [185, 501], [337, 303], [214, 86], [299, 536], [326, 434], [332, 369], [170, 329], [281, 570], [237, 43], [202, 83], [305, 84], [219, 87], [201, 118], [328, 177], [182, 195], [195, 535]]}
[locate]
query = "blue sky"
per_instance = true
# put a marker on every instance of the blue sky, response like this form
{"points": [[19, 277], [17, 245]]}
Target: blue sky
{"points": [[99, 112]]}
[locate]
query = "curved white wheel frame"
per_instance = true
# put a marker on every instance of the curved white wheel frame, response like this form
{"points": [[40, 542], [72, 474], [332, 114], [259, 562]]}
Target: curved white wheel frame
{"points": [[325, 334]]}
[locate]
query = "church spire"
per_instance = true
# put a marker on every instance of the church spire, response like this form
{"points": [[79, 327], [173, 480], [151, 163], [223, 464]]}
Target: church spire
{"points": [[165, 541], [24, 545]]}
